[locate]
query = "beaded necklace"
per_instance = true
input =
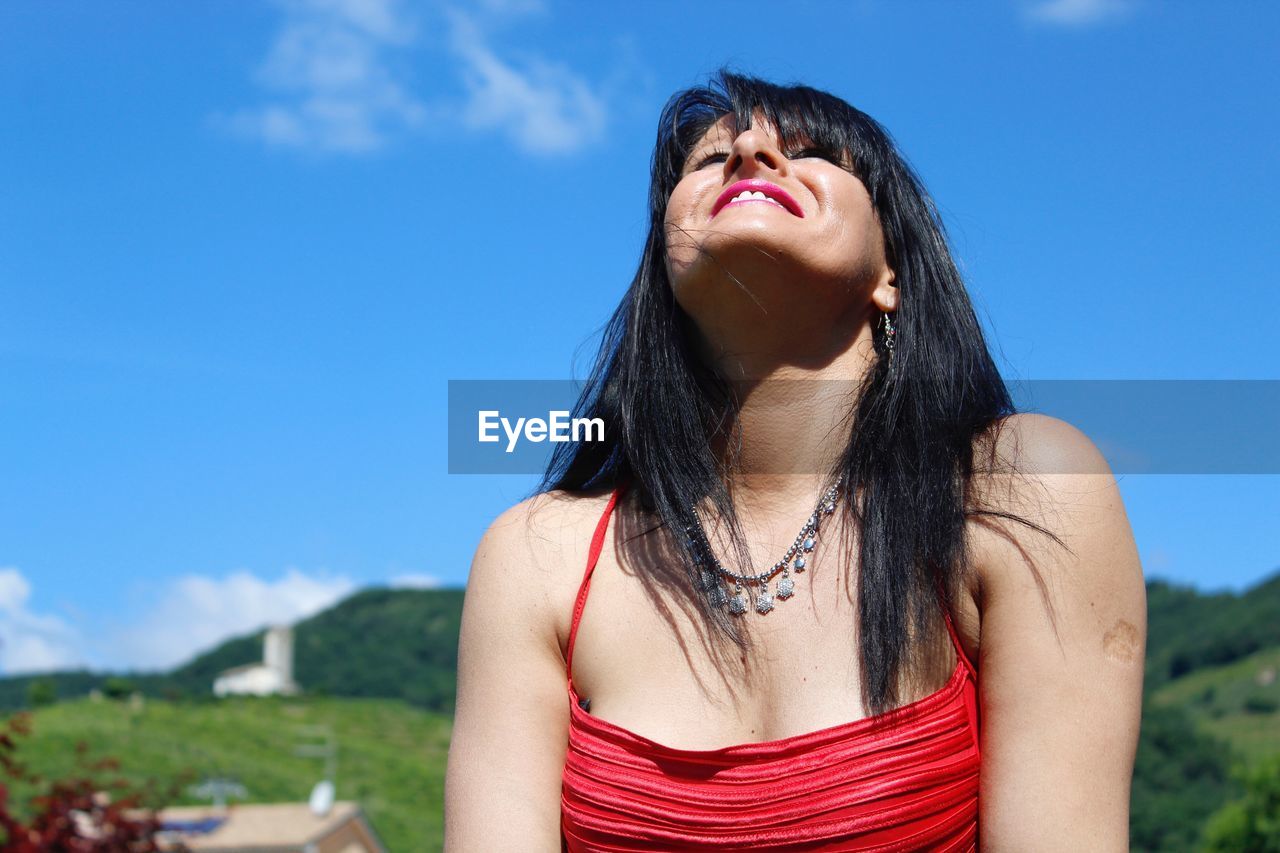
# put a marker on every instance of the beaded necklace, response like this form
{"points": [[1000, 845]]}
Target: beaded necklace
{"points": [[800, 551]]}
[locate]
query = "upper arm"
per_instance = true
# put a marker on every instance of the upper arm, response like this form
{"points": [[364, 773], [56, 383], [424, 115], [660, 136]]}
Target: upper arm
{"points": [[1061, 697], [506, 753]]}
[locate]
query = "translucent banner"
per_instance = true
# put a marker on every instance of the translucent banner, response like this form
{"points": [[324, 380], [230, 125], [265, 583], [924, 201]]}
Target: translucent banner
{"points": [[1141, 426]]}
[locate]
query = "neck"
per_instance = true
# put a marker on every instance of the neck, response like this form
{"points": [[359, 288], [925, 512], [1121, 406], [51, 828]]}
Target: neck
{"points": [[794, 420]]}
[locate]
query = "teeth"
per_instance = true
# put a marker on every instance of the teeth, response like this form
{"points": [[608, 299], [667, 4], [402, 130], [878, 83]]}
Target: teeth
{"points": [[748, 195]]}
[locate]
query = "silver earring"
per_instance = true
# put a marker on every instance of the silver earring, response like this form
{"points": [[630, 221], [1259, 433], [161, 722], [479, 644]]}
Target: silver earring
{"points": [[889, 333]]}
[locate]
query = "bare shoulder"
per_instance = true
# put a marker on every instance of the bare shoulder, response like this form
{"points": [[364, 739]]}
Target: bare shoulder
{"points": [[531, 558], [1063, 614], [1049, 499], [1042, 444], [1046, 471]]}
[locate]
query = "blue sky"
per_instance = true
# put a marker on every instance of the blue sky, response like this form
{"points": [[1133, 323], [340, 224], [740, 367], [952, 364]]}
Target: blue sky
{"points": [[243, 247]]}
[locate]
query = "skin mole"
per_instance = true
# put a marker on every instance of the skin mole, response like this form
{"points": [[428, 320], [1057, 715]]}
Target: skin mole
{"points": [[1121, 643]]}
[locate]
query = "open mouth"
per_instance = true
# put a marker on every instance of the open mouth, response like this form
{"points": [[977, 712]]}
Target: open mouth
{"points": [[743, 192]]}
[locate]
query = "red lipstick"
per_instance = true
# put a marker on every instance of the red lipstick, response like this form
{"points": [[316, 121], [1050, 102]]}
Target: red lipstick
{"points": [[755, 185]]}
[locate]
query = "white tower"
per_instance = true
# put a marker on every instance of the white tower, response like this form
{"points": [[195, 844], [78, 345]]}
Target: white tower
{"points": [[277, 651], [274, 675]]}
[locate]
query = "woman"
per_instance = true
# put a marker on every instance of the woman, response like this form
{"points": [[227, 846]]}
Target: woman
{"points": [[841, 596]]}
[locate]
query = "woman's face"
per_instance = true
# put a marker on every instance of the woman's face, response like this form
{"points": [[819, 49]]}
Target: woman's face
{"points": [[814, 236]]}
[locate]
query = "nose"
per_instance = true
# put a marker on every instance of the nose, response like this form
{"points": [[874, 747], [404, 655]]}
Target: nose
{"points": [[754, 152]]}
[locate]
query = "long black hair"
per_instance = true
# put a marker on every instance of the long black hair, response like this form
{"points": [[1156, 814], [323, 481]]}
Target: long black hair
{"points": [[911, 443]]}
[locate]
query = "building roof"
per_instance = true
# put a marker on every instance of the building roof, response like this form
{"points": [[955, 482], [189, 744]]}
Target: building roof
{"points": [[261, 826], [244, 667]]}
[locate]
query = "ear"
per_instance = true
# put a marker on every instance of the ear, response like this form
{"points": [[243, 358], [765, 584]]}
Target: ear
{"points": [[885, 296]]}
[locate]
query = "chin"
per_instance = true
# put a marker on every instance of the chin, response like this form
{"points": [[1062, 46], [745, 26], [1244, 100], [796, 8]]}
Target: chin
{"points": [[759, 244]]}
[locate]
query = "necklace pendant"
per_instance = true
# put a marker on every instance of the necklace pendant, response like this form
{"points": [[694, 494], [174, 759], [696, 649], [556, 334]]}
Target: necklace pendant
{"points": [[764, 602], [709, 571]]}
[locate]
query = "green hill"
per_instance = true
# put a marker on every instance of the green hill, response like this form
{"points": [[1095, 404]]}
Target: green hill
{"points": [[391, 757], [1204, 710], [1194, 728], [387, 643], [1189, 630], [1238, 702]]}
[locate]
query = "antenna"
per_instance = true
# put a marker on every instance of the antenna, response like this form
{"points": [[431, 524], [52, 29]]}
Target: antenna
{"points": [[218, 789], [321, 798], [322, 745]]}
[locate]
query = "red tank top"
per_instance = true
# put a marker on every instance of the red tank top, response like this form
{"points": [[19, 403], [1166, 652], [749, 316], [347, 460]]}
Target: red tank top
{"points": [[899, 781]]}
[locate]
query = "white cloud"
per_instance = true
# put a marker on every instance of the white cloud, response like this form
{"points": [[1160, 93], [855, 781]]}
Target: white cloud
{"points": [[414, 580], [335, 81], [330, 69], [31, 642], [1077, 13], [184, 616], [543, 106], [194, 613]]}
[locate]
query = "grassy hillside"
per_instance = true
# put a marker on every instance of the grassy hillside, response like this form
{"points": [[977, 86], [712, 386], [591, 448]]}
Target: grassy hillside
{"points": [[1194, 728], [1189, 630], [1201, 712], [1237, 702], [391, 757]]}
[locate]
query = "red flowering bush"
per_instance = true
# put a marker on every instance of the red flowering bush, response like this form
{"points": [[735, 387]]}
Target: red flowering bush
{"points": [[93, 810]]}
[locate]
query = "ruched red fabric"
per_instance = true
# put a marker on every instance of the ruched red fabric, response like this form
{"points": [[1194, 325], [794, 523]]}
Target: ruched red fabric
{"points": [[904, 780]]}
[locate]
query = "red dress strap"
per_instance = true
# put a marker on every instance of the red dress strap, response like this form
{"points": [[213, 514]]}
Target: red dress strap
{"points": [[951, 629], [593, 556]]}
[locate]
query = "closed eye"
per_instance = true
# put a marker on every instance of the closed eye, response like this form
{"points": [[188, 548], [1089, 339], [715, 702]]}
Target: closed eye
{"points": [[822, 153], [715, 156]]}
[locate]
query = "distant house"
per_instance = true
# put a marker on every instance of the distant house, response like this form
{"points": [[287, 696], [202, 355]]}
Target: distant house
{"points": [[274, 827], [273, 676]]}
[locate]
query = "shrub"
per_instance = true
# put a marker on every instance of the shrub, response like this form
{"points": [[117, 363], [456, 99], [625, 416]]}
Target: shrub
{"points": [[80, 811], [1253, 822], [117, 687], [1260, 703], [41, 692]]}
